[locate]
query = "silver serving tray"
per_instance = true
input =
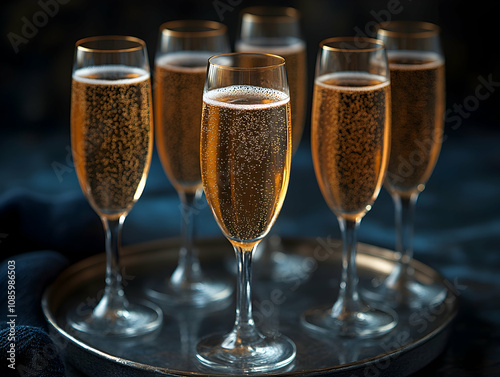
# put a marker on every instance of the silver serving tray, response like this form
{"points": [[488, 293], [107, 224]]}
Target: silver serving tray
{"points": [[303, 274]]}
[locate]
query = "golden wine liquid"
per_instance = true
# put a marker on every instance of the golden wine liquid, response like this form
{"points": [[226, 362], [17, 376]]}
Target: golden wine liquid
{"points": [[180, 78], [111, 135], [245, 165], [350, 139], [293, 50], [417, 82]]}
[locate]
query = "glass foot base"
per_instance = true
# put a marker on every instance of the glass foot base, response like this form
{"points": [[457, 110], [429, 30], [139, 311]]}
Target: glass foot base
{"points": [[405, 292], [226, 355], [135, 319], [197, 295], [369, 322]]}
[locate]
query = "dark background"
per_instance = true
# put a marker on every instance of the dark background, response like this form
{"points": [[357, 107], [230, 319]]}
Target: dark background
{"points": [[35, 84], [457, 223], [36, 80]]}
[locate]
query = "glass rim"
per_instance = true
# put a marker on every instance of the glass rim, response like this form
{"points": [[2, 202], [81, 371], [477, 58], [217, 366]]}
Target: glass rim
{"points": [[232, 68], [214, 28], [261, 13], [377, 44], [408, 29], [140, 43]]}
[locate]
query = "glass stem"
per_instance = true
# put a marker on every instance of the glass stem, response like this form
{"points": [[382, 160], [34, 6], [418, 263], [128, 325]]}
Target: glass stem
{"points": [[404, 211], [114, 297], [188, 271], [244, 331], [348, 301]]}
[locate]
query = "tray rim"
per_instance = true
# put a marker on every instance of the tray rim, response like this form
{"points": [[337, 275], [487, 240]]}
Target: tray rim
{"points": [[154, 246]]}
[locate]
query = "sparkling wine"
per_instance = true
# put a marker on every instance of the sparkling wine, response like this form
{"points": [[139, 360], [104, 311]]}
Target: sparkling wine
{"points": [[111, 135], [246, 152], [350, 139], [417, 119], [180, 78]]}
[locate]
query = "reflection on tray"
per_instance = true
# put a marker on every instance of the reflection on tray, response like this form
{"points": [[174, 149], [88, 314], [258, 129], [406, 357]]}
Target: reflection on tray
{"points": [[278, 304]]}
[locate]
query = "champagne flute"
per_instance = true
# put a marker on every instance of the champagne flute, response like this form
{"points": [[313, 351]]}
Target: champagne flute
{"points": [[276, 30], [180, 71], [112, 141], [245, 165], [416, 64], [350, 139]]}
